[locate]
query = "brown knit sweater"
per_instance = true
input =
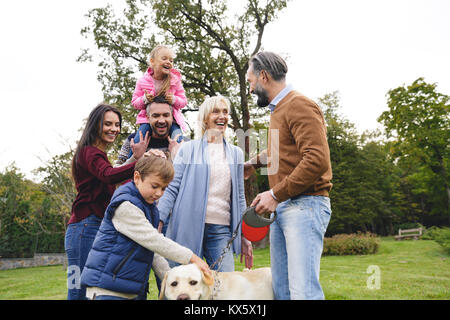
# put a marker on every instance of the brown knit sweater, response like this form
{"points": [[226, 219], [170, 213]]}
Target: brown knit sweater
{"points": [[298, 152]]}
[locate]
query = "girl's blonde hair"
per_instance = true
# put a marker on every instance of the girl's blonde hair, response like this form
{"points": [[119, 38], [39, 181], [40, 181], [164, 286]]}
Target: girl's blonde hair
{"points": [[166, 84], [207, 107]]}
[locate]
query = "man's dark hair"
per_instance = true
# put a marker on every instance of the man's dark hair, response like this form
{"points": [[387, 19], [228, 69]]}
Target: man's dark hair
{"points": [[271, 62], [159, 99]]}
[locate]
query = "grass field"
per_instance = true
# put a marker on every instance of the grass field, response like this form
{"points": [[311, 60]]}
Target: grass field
{"points": [[408, 270]]}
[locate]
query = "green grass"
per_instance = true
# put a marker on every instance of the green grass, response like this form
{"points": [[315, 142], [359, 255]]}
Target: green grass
{"points": [[408, 270]]}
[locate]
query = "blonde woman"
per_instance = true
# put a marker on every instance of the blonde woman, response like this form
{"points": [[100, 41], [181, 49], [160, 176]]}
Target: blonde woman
{"points": [[204, 202]]}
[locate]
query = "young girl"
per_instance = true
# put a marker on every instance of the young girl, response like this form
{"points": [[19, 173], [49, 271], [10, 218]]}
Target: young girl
{"points": [[128, 243], [160, 79], [95, 181]]}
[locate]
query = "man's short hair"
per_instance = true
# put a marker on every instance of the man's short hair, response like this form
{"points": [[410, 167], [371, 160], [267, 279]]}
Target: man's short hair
{"points": [[158, 99], [271, 62]]}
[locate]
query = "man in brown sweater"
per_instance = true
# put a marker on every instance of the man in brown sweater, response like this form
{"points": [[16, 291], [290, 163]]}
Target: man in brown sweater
{"points": [[299, 172]]}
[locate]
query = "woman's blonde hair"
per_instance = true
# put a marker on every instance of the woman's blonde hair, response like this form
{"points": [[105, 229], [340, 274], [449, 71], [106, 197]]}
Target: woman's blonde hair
{"points": [[207, 107], [166, 84]]}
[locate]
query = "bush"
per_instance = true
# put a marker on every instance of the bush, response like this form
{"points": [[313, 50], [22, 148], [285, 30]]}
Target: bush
{"points": [[430, 233], [351, 244], [442, 236]]}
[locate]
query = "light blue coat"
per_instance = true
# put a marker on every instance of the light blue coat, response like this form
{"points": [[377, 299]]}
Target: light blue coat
{"points": [[185, 199]]}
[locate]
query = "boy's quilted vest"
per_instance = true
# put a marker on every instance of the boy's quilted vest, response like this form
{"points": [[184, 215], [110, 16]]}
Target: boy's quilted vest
{"points": [[116, 262]]}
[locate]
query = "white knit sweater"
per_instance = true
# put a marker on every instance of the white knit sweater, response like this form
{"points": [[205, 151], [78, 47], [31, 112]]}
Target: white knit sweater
{"points": [[219, 193]]}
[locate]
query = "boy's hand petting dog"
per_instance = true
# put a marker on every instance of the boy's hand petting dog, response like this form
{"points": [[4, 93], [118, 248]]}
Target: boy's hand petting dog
{"points": [[203, 266]]}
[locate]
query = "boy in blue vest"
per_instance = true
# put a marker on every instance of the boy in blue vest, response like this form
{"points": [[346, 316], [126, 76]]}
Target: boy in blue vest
{"points": [[128, 243]]}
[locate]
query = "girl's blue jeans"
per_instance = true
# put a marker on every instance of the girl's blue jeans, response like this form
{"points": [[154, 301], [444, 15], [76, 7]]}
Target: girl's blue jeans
{"points": [[77, 243], [145, 127], [296, 244]]}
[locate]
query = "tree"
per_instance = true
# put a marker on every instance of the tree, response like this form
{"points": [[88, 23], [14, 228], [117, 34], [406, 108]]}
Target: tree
{"points": [[342, 141], [58, 185], [32, 215], [212, 46], [417, 122], [27, 221], [362, 175]]}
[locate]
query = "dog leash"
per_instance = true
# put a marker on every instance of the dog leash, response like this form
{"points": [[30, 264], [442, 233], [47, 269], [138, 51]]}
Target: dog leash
{"points": [[219, 260], [250, 217]]}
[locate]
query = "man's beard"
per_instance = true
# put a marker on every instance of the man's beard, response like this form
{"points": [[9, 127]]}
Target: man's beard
{"points": [[154, 129], [263, 99]]}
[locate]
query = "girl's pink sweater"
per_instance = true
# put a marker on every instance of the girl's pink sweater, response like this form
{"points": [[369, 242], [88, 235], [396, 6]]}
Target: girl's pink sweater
{"points": [[147, 83]]}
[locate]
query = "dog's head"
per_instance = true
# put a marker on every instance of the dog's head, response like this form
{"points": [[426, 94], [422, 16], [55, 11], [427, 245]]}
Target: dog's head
{"points": [[186, 282]]}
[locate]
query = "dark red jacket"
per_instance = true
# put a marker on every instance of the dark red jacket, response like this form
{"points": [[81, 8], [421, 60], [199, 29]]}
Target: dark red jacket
{"points": [[96, 182]]}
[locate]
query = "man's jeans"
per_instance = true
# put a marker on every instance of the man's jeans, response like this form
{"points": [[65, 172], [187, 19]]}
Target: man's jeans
{"points": [[78, 242], [296, 243]]}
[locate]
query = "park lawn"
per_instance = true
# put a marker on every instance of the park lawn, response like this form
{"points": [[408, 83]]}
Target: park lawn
{"points": [[408, 270]]}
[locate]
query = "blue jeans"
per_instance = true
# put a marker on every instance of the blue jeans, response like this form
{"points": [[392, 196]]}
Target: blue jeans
{"points": [[215, 239], [77, 243], [174, 130], [296, 243]]}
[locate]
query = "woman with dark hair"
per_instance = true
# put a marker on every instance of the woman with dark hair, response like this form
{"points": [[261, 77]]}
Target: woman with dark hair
{"points": [[95, 180]]}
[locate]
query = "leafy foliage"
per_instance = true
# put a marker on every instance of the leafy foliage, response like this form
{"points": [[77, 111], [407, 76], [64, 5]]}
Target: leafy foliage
{"points": [[363, 175], [418, 123], [28, 222], [212, 48], [33, 216]]}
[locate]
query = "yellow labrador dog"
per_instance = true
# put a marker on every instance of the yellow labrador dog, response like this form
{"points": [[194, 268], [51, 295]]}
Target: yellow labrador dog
{"points": [[187, 282]]}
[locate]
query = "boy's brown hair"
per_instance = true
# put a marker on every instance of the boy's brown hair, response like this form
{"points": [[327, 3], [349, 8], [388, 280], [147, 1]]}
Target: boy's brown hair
{"points": [[155, 165]]}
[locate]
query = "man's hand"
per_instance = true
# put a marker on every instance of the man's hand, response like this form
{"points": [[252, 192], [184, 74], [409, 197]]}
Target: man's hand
{"points": [[174, 145], [140, 147], [249, 170], [264, 203]]}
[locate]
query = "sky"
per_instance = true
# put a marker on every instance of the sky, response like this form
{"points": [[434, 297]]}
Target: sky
{"points": [[361, 48]]}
